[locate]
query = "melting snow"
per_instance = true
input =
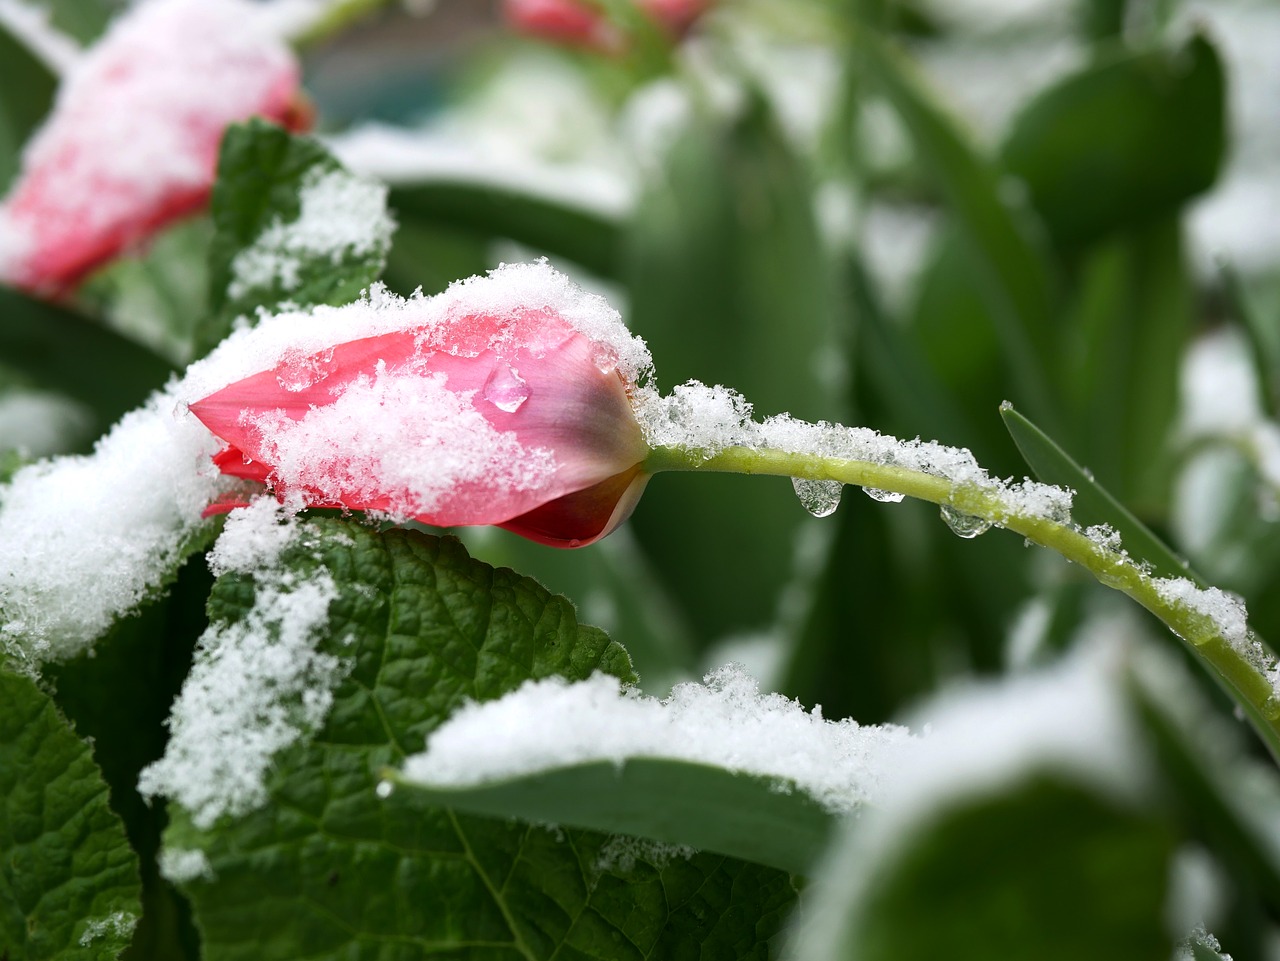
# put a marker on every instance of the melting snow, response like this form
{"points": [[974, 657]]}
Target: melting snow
{"points": [[726, 722]]}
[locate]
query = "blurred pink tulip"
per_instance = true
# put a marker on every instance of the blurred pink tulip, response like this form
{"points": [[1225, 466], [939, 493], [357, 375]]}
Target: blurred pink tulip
{"points": [[579, 23], [132, 141], [523, 423]]}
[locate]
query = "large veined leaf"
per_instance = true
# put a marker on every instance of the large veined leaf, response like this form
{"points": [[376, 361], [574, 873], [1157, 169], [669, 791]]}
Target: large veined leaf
{"points": [[673, 801], [68, 878], [328, 869]]}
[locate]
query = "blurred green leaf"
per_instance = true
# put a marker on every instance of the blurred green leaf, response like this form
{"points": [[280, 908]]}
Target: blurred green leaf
{"points": [[68, 878], [1092, 504], [1043, 869], [262, 169], [83, 20], [1012, 272], [1102, 21], [676, 802], [27, 88], [949, 330], [159, 295], [1264, 338], [1133, 313], [1122, 141], [538, 220], [1229, 802], [729, 284], [62, 350], [424, 255]]}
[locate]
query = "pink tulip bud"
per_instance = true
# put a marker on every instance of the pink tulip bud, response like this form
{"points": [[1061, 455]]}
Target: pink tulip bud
{"points": [[578, 23], [519, 420], [132, 141]]}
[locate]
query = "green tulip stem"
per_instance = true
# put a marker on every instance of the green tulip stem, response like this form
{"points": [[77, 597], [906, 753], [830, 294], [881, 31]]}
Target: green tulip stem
{"points": [[1240, 673]]}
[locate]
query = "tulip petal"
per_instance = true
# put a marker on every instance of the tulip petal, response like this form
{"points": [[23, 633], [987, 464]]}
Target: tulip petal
{"points": [[585, 516], [510, 419], [132, 142]]}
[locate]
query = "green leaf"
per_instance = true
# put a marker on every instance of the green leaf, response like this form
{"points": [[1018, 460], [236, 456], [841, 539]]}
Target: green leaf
{"points": [[262, 172], [983, 877], [1092, 503], [730, 284], [61, 350], [542, 221], [84, 20], [329, 870], [1227, 800], [1122, 141], [618, 590], [1134, 312], [27, 88], [1012, 271], [119, 698], [673, 801], [68, 878]]}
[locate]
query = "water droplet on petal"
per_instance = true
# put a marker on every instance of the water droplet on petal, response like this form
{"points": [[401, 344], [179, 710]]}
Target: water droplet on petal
{"points": [[299, 371], [819, 497], [506, 389], [885, 497], [962, 524]]}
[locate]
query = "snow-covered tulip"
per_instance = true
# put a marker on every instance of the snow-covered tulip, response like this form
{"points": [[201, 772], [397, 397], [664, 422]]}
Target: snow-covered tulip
{"points": [[131, 143], [580, 23], [518, 420]]}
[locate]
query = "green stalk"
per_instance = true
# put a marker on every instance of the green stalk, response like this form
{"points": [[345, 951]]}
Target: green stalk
{"points": [[1238, 673], [333, 18]]}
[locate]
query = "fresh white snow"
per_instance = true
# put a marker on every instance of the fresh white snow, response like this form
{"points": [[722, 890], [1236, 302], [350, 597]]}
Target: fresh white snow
{"points": [[724, 721]]}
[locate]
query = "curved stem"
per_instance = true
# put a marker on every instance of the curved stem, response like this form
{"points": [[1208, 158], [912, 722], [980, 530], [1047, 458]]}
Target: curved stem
{"points": [[1237, 662], [330, 17]]}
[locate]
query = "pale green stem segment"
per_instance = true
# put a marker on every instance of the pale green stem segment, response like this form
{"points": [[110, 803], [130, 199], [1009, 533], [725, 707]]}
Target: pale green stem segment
{"points": [[333, 18], [1247, 684]]}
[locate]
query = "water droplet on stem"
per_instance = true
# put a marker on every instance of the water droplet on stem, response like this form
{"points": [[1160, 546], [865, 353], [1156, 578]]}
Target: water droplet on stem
{"points": [[885, 497], [962, 524], [819, 497]]}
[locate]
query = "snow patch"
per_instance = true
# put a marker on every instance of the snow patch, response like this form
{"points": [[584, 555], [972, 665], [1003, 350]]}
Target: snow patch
{"points": [[725, 721], [181, 865], [406, 157], [339, 216], [118, 924], [256, 687], [707, 420]]}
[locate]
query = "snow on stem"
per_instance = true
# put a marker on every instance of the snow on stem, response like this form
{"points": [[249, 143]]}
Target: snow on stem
{"points": [[1211, 622]]}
